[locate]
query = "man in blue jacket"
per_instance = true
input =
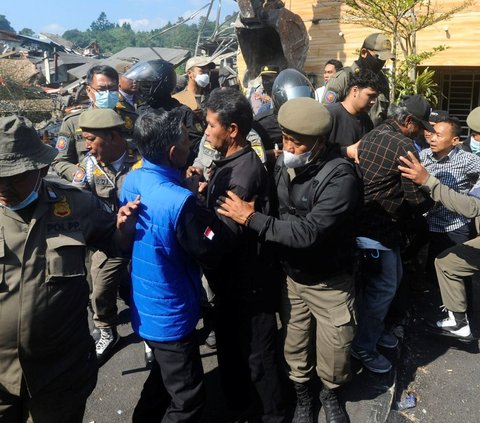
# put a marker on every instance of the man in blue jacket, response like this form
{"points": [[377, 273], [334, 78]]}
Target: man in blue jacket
{"points": [[169, 241]]}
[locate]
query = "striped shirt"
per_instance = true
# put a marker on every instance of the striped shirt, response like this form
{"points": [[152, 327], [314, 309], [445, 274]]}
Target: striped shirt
{"points": [[458, 170]]}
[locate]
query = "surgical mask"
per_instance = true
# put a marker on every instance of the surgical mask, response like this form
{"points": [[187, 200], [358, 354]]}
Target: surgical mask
{"points": [[202, 80], [106, 99], [293, 161], [33, 196], [475, 146]]}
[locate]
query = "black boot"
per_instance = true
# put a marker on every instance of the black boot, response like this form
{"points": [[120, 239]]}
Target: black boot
{"points": [[334, 412], [304, 408]]}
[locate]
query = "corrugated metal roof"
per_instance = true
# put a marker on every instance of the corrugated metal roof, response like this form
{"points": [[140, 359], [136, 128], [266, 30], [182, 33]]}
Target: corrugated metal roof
{"points": [[131, 55]]}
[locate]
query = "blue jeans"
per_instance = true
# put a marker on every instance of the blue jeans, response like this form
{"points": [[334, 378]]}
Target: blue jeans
{"points": [[379, 292]]}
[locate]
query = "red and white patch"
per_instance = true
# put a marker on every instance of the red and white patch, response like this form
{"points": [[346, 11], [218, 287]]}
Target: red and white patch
{"points": [[209, 233], [62, 143], [331, 97], [79, 176]]}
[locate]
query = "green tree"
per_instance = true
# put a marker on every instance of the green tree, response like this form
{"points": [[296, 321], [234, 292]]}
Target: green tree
{"points": [[401, 20], [102, 23], [27, 31], [78, 38], [5, 24]]}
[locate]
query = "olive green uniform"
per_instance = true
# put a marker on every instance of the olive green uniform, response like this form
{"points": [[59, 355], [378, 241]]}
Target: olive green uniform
{"points": [[71, 145], [105, 183], [47, 356], [336, 91]]}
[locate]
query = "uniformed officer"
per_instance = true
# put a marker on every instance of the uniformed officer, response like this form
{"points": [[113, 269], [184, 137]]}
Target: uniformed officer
{"points": [[376, 50], [47, 361], [102, 89], [102, 171]]}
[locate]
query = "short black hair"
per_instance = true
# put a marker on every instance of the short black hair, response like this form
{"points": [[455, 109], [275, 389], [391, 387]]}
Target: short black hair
{"points": [[455, 124], [106, 70], [232, 107], [364, 79], [155, 133], [338, 65]]}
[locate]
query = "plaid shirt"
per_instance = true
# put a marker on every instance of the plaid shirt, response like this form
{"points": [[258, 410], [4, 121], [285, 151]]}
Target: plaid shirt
{"points": [[458, 170], [389, 198]]}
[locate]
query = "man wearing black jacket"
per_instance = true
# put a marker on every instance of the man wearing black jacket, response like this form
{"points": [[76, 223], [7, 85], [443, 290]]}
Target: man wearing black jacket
{"points": [[318, 194], [247, 281]]}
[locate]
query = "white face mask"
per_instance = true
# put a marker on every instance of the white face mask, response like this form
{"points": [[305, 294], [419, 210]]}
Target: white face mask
{"points": [[202, 80], [293, 161]]}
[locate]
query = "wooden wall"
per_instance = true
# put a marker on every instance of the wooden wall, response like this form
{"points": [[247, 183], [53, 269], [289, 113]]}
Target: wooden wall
{"points": [[463, 36]]}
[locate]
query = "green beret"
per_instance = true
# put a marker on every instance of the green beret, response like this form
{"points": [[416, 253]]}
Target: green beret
{"points": [[100, 119], [305, 116], [473, 120]]}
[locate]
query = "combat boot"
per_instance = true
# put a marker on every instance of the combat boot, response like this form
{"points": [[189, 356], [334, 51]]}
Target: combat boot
{"points": [[304, 409], [334, 411]]}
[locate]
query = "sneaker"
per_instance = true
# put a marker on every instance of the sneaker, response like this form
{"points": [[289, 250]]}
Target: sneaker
{"points": [[387, 340], [149, 357], [372, 360], [211, 341], [104, 346], [334, 411], [456, 325]]}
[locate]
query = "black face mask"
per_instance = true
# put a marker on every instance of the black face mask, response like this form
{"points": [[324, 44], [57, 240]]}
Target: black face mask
{"points": [[372, 62]]}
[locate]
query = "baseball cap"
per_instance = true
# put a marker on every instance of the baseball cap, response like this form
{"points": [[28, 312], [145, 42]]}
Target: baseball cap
{"points": [[419, 108], [438, 116], [21, 149], [296, 116], [100, 119], [200, 61], [380, 44]]}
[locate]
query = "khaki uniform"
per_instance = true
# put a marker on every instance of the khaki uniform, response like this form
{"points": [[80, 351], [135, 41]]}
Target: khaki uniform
{"points": [[71, 145], [336, 91], [189, 99], [44, 294], [105, 183]]}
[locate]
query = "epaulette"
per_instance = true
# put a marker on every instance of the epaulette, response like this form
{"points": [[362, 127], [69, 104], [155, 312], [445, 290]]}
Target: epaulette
{"points": [[73, 114], [137, 165]]}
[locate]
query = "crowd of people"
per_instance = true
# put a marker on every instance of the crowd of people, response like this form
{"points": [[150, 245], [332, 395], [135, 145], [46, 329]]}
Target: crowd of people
{"points": [[283, 202]]}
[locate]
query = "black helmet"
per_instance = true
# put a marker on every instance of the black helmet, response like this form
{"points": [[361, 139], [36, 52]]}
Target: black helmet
{"points": [[290, 83], [156, 79]]}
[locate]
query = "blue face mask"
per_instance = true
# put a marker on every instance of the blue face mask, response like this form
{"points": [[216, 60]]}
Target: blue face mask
{"points": [[33, 196], [106, 99], [475, 146]]}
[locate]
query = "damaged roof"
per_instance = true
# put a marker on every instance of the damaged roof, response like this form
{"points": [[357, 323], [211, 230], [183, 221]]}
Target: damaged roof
{"points": [[132, 55]]}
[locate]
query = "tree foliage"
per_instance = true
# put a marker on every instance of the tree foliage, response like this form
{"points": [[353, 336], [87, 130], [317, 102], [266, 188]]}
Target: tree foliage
{"points": [[401, 20], [5, 24], [27, 31], [102, 23]]}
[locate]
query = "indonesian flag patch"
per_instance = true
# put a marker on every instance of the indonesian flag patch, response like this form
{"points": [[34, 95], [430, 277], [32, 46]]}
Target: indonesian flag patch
{"points": [[209, 233]]}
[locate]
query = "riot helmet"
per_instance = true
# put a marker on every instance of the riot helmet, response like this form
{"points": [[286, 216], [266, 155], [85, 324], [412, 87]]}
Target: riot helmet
{"points": [[290, 83], [156, 79]]}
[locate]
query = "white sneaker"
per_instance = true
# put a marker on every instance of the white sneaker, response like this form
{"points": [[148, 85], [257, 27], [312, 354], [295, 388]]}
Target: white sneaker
{"points": [[105, 344], [460, 329]]}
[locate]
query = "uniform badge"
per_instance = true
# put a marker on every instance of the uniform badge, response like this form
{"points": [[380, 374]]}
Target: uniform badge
{"points": [[259, 150], [97, 172], [128, 122], [79, 176], [62, 143], [62, 208], [330, 96]]}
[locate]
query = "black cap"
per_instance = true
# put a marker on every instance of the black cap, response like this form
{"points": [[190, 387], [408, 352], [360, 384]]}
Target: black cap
{"points": [[438, 116], [419, 108]]}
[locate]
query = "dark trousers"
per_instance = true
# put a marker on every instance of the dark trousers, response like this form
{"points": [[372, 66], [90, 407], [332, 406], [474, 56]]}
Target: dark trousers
{"points": [[58, 403], [174, 390], [248, 360]]}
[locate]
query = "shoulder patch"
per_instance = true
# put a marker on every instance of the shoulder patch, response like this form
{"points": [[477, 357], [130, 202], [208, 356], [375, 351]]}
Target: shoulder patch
{"points": [[128, 122], [79, 176], [62, 143], [330, 96]]}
